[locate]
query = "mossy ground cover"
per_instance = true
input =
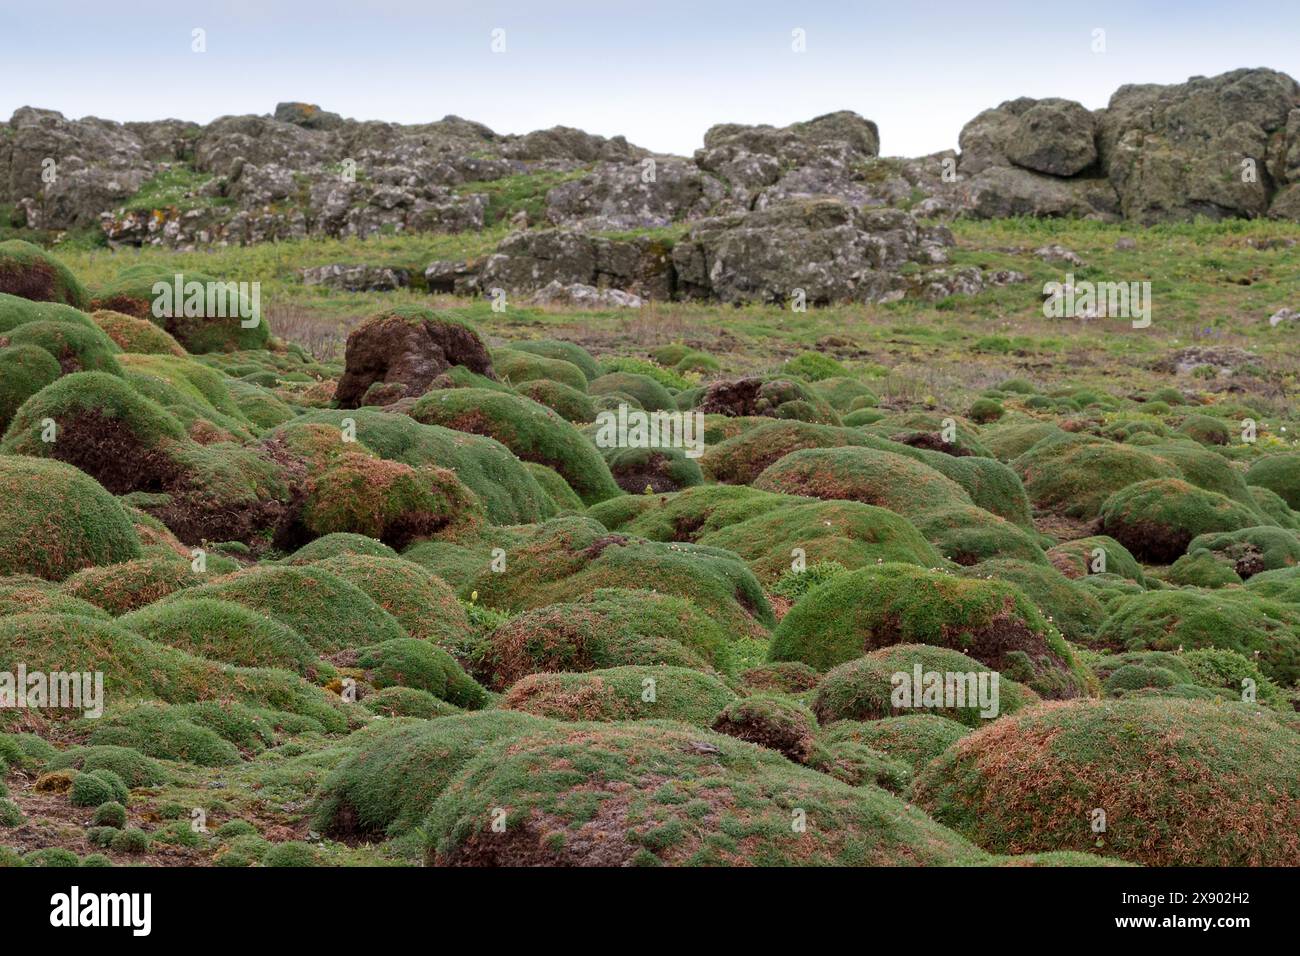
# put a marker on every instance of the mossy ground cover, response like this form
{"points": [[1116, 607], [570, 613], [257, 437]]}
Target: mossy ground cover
{"points": [[1004, 434]]}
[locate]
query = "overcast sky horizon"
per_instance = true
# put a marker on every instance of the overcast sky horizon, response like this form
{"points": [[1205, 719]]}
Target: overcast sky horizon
{"points": [[659, 73]]}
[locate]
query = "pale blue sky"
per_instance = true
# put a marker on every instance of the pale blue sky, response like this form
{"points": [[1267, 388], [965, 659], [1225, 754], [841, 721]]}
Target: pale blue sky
{"points": [[659, 71]]}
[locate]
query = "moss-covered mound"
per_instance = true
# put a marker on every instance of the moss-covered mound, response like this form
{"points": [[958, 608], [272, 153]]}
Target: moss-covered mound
{"points": [[129, 443], [387, 786], [124, 587], [1075, 611], [262, 407], [689, 514], [887, 604], [1009, 439], [1280, 474], [564, 351], [1073, 475], [773, 721], [138, 669], [787, 677], [191, 391], [135, 769], [966, 535], [1206, 430], [656, 792], [422, 602], [565, 400], [863, 474], [28, 271], [407, 662], [518, 367], [1157, 519], [24, 371], [557, 489], [612, 628], [883, 684], [621, 693], [991, 485], [510, 494], [1272, 506], [135, 335], [1201, 570], [652, 470], [210, 315], [75, 347], [1281, 585], [1251, 550], [739, 460], [333, 545], [775, 397], [1243, 621], [102, 426], [325, 608], [843, 393], [569, 558], [847, 532], [16, 311], [1181, 783], [1098, 554], [388, 500], [532, 431], [57, 520], [647, 392], [1206, 469], [227, 632], [916, 739], [25, 594]]}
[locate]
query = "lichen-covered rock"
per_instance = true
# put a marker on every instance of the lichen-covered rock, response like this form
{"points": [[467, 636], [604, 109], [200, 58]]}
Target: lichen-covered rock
{"points": [[824, 249], [1174, 152]]}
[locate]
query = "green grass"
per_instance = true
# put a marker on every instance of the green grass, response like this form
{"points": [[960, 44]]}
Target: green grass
{"points": [[525, 192], [174, 188]]}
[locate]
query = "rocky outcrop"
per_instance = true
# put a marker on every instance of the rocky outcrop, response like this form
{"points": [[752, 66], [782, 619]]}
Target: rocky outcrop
{"points": [[1224, 146], [1032, 157], [577, 295], [357, 278], [826, 249], [764, 164], [654, 192], [525, 262], [1218, 147], [814, 251], [63, 173], [246, 179]]}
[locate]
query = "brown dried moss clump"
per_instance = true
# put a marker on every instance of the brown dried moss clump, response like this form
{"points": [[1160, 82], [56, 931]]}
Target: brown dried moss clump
{"points": [[388, 500], [401, 351], [1181, 782]]}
